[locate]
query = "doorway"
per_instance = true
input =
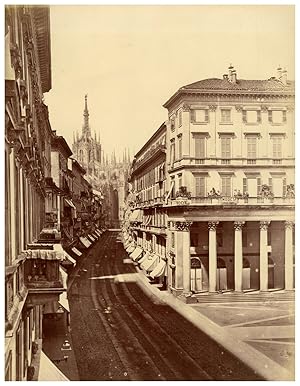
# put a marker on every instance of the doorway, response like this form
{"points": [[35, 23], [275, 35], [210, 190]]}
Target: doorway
{"points": [[271, 272], [246, 274], [196, 274], [221, 275]]}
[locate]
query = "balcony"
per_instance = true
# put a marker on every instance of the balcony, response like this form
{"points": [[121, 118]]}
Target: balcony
{"points": [[204, 201], [232, 162], [41, 274]]}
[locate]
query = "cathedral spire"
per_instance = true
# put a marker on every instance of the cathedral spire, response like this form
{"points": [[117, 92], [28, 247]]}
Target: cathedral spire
{"points": [[86, 130]]}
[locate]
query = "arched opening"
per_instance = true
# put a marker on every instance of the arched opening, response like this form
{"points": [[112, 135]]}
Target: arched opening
{"points": [[221, 274], [196, 274]]}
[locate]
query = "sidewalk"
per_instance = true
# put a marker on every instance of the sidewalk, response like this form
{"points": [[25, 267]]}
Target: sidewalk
{"points": [[263, 337]]}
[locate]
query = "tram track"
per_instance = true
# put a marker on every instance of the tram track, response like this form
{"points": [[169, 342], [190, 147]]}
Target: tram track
{"points": [[143, 340]]}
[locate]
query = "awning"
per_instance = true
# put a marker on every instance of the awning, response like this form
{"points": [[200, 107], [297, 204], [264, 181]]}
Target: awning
{"points": [[131, 248], [136, 215], [136, 253], [159, 270], [148, 220], [70, 258], [70, 203], [98, 232], [91, 238], [85, 242], [168, 195], [150, 263], [144, 258], [43, 254], [63, 301], [76, 251], [128, 242], [48, 371]]}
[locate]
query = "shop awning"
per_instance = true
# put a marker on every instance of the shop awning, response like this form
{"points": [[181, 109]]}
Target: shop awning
{"points": [[136, 253], [63, 301], [70, 203], [98, 232], [136, 215], [128, 242], [85, 242], [131, 248], [144, 258], [169, 193], [150, 263], [48, 371], [91, 238], [97, 193], [43, 254], [76, 251], [159, 270], [70, 259]]}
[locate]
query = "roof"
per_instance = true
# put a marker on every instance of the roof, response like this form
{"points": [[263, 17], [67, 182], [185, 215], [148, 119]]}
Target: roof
{"points": [[159, 131], [58, 142], [271, 85]]}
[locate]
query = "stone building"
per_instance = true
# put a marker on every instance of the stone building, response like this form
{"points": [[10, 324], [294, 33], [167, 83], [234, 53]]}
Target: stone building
{"points": [[31, 273], [230, 183], [108, 177]]}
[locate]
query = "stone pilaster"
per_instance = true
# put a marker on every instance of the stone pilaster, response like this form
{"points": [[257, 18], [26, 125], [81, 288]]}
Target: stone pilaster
{"points": [[238, 256], [212, 255], [288, 256], [263, 255]]}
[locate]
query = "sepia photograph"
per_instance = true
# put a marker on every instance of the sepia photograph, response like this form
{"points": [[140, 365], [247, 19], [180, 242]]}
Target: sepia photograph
{"points": [[149, 192]]}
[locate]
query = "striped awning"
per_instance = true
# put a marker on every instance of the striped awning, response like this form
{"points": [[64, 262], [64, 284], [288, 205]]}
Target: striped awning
{"points": [[131, 248], [43, 254], [76, 251], [48, 371], [159, 270], [85, 242], [144, 258]]}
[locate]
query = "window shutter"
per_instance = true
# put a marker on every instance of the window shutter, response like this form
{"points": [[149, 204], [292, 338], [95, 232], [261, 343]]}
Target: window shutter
{"points": [[259, 116], [271, 185], [270, 116], [258, 185], [206, 115], [284, 116], [244, 116], [245, 187], [284, 186], [197, 186]]}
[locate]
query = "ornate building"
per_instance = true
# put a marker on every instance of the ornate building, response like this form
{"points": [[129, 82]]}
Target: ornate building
{"points": [[230, 187], [108, 178]]}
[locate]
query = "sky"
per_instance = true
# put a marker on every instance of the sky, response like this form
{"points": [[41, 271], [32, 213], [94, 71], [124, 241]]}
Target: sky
{"points": [[131, 59]]}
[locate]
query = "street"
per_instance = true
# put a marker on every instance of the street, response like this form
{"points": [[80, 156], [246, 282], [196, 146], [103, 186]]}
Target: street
{"points": [[118, 333]]}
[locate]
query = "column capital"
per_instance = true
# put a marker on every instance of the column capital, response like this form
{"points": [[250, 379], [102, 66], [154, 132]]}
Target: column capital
{"points": [[212, 225], [289, 224], [238, 225], [183, 225], [263, 225]]}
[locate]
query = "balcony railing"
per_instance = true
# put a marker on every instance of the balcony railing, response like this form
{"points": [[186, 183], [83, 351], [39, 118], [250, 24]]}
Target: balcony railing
{"points": [[232, 201]]}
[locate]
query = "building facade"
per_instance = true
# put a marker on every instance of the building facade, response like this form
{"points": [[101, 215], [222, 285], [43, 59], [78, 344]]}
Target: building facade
{"points": [[31, 274], [146, 218], [108, 177], [230, 185]]}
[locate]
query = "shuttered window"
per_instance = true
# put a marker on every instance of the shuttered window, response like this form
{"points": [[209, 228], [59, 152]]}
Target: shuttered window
{"points": [[199, 186], [179, 147], [226, 186], [277, 147], [258, 185], [201, 115], [200, 147], [245, 185], [225, 147], [251, 147], [225, 115]]}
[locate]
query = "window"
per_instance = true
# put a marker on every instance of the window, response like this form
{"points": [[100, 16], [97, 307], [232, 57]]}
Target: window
{"points": [[179, 180], [226, 186], [179, 146], [180, 119], [200, 116], [277, 116], [199, 148], [277, 146], [225, 149], [172, 124], [172, 240], [251, 116], [172, 153], [199, 186], [225, 115], [251, 149]]}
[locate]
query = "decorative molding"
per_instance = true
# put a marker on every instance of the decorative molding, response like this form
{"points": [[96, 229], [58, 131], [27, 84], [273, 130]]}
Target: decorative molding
{"points": [[263, 225], [239, 108], [289, 224], [264, 109], [238, 225], [212, 108], [183, 225], [212, 225], [290, 108], [186, 108]]}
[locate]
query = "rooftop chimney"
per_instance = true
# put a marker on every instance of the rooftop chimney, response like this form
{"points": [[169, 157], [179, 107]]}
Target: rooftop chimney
{"points": [[279, 71], [225, 76], [284, 76], [231, 74]]}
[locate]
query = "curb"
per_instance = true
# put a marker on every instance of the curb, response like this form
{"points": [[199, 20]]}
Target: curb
{"points": [[260, 363]]}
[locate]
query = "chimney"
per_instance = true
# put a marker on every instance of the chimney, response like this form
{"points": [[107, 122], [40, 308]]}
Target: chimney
{"points": [[230, 71], [233, 76], [225, 76], [279, 72], [284, 77]]}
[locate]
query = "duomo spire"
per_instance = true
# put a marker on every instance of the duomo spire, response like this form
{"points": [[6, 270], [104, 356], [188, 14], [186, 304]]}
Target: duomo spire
{"points": [[86, 130]]}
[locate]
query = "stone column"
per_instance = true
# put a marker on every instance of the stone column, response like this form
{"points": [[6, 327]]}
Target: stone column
{"points": [[288, 256], [212, 255], [183, 249], [263, 256], [238, 256]]}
